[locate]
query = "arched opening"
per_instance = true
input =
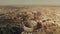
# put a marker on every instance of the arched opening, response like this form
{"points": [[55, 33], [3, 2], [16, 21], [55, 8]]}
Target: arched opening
{"points": [[11, 30], [39, 25], [17, 30]]}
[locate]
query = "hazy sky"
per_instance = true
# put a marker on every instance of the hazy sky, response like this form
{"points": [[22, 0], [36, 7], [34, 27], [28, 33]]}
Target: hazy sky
{"points": [[30, 2]]}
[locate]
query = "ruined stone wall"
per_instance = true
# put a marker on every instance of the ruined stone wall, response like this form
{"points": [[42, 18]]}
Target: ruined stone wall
{"points": [[41, 20]]}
